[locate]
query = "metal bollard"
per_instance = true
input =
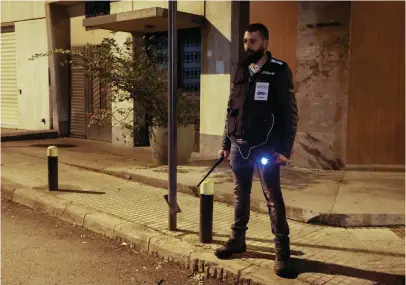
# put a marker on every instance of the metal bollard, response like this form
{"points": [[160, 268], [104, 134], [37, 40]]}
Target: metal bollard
{"points": [[52, 153], [206, 211]]}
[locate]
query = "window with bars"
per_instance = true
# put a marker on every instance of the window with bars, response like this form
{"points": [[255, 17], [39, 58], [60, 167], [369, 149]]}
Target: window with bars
{"points": [[189, 57], [97, 8]]}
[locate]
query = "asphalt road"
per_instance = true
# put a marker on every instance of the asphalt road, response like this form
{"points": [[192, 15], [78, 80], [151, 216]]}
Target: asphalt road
{"points": [[38, 249]]}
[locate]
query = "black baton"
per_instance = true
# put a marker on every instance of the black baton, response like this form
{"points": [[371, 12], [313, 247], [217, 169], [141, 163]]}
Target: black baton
{"points": [[211, 170]]}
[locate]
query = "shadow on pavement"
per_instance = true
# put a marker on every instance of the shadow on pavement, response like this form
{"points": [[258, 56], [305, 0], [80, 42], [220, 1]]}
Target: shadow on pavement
{"points": [[68, 189], [300, 266], [307, 266], [270, 241]]}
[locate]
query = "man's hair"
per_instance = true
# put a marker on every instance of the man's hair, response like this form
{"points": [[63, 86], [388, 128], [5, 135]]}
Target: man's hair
{"points": [[263, 31]]}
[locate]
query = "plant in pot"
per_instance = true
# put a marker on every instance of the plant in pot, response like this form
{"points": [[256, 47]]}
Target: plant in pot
{"points": [[157, 120], [134, 80]]}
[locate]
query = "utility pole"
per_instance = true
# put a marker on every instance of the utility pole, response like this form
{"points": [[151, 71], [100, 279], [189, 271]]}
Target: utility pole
{"points": [[172, 132]]}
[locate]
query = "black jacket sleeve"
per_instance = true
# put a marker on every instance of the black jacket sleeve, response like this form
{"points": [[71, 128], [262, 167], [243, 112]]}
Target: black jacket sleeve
{"points": [[288, 111]]}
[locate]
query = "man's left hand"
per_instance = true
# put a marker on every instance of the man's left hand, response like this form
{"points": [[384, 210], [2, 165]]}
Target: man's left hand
{"points": [[281, 159]]}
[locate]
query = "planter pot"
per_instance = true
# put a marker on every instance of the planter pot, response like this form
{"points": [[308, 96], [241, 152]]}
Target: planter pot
{"points": [[158, 138]]}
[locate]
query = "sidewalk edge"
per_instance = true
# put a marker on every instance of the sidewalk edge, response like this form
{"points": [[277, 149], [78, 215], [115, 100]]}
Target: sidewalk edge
{"points": [[140, 237]]}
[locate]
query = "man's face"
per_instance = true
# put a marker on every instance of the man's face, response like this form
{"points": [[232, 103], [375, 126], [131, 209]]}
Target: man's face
{"points": [[254, 43]]}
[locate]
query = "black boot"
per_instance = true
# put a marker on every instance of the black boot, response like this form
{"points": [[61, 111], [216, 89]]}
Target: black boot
{"points": [[235, 245], [282, 264]]}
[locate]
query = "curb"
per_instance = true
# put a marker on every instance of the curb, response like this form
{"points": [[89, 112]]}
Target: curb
{"points": [[29, 136], [374, 167], [142, 238], [359, 220]]}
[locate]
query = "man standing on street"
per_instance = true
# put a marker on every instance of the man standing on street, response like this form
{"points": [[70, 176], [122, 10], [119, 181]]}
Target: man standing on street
{"points": [[260, 130]]}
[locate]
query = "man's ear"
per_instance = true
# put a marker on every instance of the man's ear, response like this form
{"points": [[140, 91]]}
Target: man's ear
{"points": [[266, 44]]}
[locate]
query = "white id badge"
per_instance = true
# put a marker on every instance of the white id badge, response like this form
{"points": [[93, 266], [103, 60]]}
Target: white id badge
{"points": [[261, 91]]}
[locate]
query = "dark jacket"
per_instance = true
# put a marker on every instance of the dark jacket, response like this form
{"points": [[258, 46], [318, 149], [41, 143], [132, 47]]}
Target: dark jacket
{"points": [[253, 111]]}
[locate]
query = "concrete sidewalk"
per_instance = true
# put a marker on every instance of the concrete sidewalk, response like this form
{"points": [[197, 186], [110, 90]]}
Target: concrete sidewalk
{"points": [[137, 213], [337, 198]]}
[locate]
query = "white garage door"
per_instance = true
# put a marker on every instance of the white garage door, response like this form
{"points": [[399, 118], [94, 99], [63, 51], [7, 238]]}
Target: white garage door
{"points": [[9, 90]]}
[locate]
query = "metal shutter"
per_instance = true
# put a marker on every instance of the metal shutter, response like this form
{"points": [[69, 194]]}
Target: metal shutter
{"points": [[96, 89], [9, 89], [78, 97], [97, 100]]}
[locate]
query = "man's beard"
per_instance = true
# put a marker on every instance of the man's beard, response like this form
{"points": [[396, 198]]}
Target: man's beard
{"points": [[254, 56]]}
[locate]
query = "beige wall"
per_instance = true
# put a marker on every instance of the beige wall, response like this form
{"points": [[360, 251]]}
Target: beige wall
{"points": [[32, 76], [193, 7], [215, 78], [12, 11], [221, 42], [78, 34], [80, 37]]}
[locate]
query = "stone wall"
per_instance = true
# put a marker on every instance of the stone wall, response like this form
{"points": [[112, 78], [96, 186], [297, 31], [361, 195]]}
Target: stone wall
{"points": [[322, 84]]}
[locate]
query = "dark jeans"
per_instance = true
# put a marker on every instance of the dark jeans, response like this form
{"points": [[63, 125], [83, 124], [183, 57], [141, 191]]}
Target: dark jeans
{"points": [[243, 170]]}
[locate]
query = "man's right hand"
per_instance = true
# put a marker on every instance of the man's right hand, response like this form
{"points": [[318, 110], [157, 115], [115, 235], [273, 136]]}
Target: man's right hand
{"points": [[224, 153]]}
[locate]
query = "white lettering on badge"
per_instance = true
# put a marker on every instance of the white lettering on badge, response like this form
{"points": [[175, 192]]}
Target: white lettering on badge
{"points": [[261, 91]]}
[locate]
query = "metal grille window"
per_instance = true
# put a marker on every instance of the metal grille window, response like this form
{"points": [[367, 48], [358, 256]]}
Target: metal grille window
{"points": [[189, 56], [97, 8]]}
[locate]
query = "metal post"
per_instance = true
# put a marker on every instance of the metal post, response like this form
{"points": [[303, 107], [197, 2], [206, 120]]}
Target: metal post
{"points": [[52, 153], [206, 211], [172, 84]]}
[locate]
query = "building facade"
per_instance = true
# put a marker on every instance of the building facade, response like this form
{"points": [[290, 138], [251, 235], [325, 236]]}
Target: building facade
{"points": [[348, 69]]}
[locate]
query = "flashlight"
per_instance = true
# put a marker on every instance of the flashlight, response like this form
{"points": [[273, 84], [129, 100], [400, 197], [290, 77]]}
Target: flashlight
{"points": [[267, 160], [264, 161]]}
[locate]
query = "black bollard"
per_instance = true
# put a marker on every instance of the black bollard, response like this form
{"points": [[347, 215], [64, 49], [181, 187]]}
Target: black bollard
{"points": [[206, 211], [52, 153]]}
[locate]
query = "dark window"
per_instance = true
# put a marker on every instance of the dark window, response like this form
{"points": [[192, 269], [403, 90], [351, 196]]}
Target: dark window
{"points": [[189, 56], [97, 8], [190, 60]]}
